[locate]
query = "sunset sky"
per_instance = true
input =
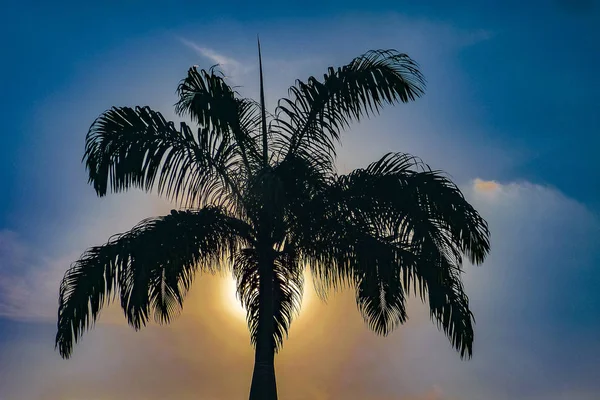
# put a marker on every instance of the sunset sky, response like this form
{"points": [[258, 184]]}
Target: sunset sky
{"points": [[511, 112]]}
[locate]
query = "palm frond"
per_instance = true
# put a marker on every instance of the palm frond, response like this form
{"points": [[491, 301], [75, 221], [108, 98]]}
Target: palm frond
{"points": [[300, 182], [151, 267], [413, 193], [392, 228], [379, 292], [213, 104], [135, 147], [287, 286], [315, 112], [288, 282], [448, 302]]}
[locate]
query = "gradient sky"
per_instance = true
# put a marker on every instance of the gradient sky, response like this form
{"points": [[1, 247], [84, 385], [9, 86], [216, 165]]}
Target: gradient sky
{"points": [[511, 112]]}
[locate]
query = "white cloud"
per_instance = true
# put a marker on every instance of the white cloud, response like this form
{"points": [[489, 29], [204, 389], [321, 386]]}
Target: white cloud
{"points": [[235, 69], [30, 276], [482, 186], [523, 201], [28, 284]]}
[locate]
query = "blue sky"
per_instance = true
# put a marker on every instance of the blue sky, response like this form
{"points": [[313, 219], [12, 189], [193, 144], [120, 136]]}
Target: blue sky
{"points": [[511, 112], [534, 83]]}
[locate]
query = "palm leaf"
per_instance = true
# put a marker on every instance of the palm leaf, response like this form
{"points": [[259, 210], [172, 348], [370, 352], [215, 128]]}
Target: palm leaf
{"points": [[448, 302], [133, 147], [311, 119], [379, 291], [392, 228], [212, 103], [287, 285], [151, 267], [414, 194]]}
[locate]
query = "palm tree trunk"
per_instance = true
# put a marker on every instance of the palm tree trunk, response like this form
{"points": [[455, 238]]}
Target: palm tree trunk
{"points": [[263, 385]]}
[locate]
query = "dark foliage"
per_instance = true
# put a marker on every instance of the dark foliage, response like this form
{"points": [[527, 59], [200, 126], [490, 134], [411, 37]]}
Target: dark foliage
{"points": [[265, 200]]}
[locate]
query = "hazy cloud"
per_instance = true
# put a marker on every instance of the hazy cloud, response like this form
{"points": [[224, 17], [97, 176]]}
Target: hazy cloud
{"points": [[485, 186], [28, 283], [232, 67]]}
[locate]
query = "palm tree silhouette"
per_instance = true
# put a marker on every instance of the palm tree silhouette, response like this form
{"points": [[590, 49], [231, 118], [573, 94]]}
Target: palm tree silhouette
{"points": [[259, 195]]}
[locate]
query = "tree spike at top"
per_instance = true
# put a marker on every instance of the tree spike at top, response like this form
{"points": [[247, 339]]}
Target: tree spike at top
{"points": [[262, 106]]}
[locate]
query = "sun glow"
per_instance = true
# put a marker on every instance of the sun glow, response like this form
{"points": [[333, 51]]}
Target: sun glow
{"points": [[232, 302], [234, 307]]}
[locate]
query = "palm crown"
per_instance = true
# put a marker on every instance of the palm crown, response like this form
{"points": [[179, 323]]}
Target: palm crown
{"points": [[260, 195]]}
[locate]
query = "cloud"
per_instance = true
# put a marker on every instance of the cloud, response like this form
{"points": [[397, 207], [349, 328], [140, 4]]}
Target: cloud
{"points": [[30, 273], [28, 283], [232, 67], [486, 186], [537, 291]]}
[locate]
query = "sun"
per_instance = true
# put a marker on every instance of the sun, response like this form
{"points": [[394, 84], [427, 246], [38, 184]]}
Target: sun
{"points": [[230, 299], [234, 307]]}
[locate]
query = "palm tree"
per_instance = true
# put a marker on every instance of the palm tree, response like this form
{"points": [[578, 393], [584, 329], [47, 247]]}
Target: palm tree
{"points": [[260, 196]]}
